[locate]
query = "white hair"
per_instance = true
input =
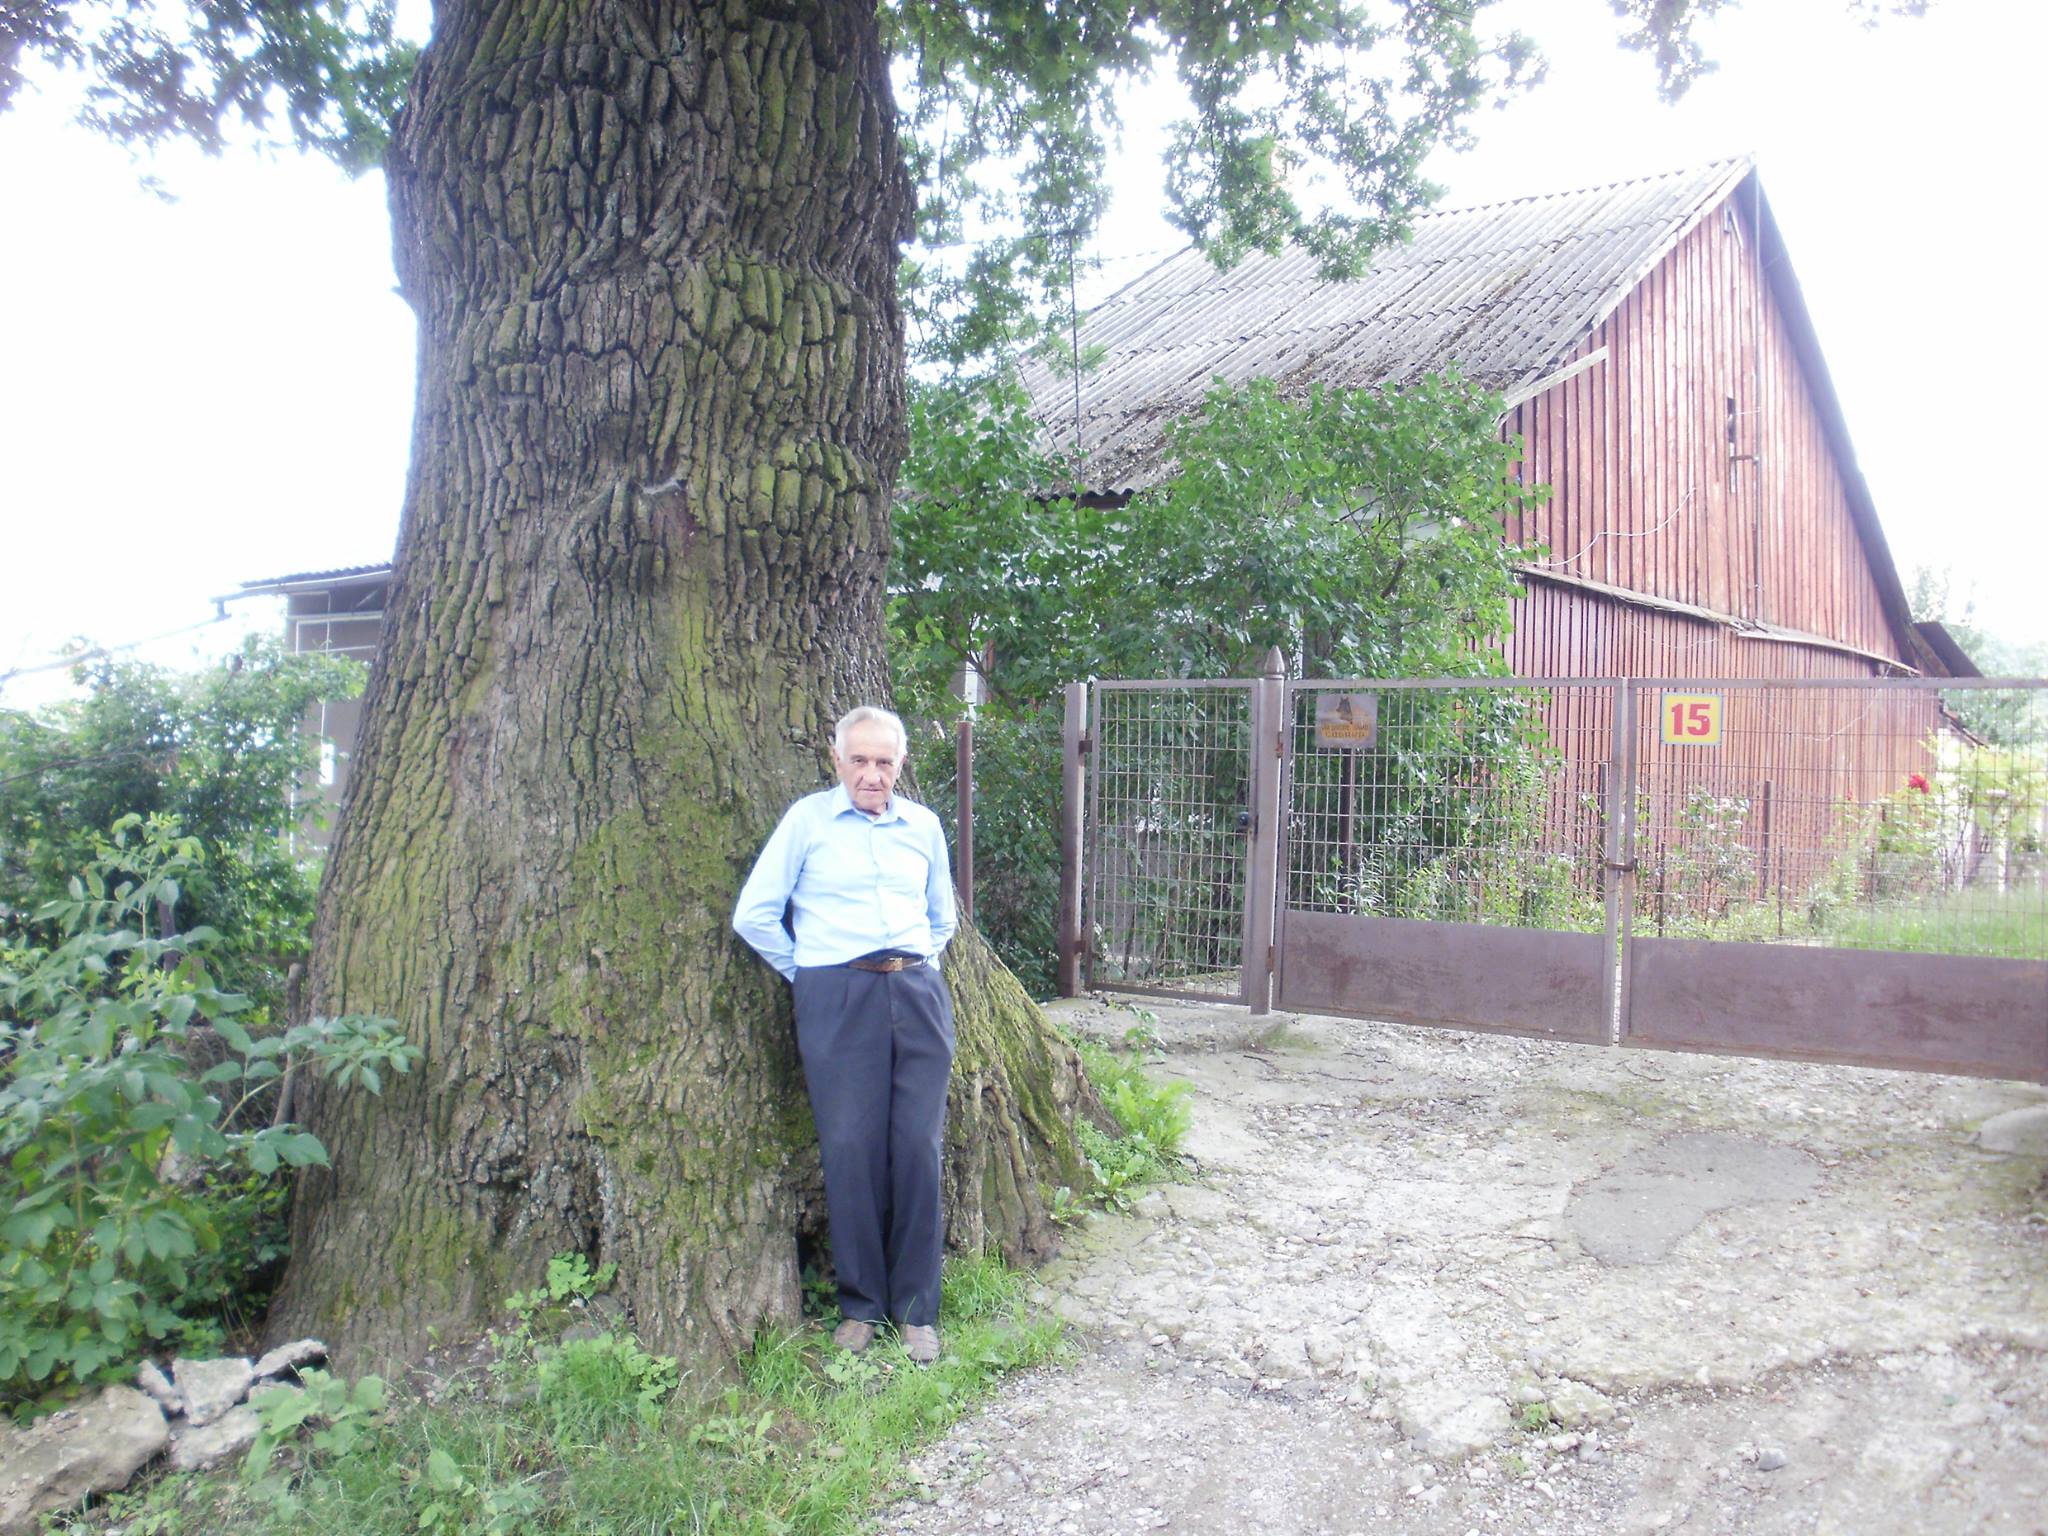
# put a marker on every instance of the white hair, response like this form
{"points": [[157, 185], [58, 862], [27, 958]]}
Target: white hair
{"points": [[862, 716]]}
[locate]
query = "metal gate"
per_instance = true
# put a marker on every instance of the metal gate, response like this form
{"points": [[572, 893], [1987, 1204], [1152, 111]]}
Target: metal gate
{"points": [[1835, 870], [1168, 829]]}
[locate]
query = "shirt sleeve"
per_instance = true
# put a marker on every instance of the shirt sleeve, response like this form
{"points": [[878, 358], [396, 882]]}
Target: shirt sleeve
{"points": [[938, 891], [758, 917]]}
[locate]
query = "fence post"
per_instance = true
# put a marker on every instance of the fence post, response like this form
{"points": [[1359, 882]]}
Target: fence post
{"points": [[1620, 879], [963, 798], [1073, 783], [1269, 722]]}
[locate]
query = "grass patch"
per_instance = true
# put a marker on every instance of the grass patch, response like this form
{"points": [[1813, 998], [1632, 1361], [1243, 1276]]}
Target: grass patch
{"points": [[593, 1438], [2008, 923], [1154, 1118]]}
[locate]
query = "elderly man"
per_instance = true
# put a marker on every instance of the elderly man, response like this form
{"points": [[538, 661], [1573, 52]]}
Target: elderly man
{"points": [[862, 874]]}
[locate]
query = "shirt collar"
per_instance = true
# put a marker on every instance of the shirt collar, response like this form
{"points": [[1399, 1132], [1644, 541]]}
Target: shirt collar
{"points": [[842, 802]]}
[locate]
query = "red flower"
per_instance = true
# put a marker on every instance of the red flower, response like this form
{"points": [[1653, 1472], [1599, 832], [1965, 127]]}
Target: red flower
{"points": [[1917, 781]]}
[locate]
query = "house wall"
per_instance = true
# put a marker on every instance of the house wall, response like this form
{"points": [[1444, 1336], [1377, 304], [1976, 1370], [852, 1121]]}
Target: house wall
{"points": [[345, 619], [1651, 493]]}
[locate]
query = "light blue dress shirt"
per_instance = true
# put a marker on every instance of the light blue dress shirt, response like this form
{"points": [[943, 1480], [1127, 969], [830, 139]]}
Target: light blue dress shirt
{"points": [[853, 883]]}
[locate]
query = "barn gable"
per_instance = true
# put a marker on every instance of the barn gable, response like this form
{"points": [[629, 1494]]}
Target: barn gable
{"points": [[1660, 367]]}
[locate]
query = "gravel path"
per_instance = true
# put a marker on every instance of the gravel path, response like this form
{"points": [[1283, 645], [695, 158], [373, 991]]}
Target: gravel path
{"points": [[1427, 1282]]}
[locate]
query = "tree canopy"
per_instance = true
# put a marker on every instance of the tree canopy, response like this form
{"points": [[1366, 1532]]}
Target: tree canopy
{"points": [[326, 74], [1006, 112]]}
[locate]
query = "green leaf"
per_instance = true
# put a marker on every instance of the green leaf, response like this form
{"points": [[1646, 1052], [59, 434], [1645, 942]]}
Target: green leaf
{"points": [[443, 1474]]}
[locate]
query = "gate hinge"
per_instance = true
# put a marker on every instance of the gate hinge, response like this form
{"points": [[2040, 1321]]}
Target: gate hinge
{"points": [[1085, 745], [1279, 743], [1269, 959], [1624, 867]]}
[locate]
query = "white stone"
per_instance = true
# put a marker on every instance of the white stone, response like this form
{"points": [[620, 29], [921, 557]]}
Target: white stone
{"points": [[90, 1447], [2023, 1131], [289, 1357], [1575, 1403], [195, 1447], [211, 1387], [158, 1386]]}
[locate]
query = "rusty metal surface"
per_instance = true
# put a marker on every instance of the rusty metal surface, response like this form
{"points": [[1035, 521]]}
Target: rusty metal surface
{"points": [[1466, 975], [1984, 1017], [1073, 821]]}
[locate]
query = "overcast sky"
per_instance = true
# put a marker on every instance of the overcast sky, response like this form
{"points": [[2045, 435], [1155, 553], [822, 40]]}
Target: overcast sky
{"points": [[208, 391]]}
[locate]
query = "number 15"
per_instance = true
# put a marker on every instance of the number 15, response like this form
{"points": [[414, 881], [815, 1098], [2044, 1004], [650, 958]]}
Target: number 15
{"points": [[1694, 719]]}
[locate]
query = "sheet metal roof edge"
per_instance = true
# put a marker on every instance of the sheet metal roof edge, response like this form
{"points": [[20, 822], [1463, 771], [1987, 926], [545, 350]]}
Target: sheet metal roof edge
{"points": [[1942, 641], [1799, 327], [1747, 629], [299, 580]]}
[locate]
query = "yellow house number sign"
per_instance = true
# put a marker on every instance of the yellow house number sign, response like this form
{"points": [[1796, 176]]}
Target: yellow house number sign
{"points": [[1690, 719]]}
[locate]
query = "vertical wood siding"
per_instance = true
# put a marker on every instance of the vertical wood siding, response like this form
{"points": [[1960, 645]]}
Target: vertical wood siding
{"points": [[1691, 463]]}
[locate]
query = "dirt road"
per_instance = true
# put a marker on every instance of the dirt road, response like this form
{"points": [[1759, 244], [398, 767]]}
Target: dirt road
{"points": [[1426, 1282]]}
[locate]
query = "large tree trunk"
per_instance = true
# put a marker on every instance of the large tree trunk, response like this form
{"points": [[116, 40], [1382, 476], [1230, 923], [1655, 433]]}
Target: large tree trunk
{"points": [[653, 253]]}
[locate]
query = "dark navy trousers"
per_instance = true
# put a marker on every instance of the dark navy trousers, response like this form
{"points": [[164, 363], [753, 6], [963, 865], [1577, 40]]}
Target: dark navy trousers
{"points": [[877, 1048]]}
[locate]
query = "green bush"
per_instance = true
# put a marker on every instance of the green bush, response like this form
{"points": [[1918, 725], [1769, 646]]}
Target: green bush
{"points": [[1016, 832], [100, 1100], [219, 751]]}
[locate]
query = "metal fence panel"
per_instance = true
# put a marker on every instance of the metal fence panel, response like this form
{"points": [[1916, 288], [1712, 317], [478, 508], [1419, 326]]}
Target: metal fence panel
{"points": [[1827, 869], [1476, 801], [1857, 815], [1854, 871], [1170, 789], [1443, 862]]}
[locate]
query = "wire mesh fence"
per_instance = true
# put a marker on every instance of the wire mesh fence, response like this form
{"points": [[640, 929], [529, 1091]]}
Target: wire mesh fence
{"points": [[1783, 820], [1470, 801], [1170, 782], [1882, 815]]}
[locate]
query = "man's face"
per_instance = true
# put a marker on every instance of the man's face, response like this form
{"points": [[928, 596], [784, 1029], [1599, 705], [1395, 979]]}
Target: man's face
{"points": [[869, 765]]}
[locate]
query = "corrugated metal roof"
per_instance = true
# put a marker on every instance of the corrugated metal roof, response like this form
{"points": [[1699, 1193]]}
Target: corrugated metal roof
{"points": [[1505, 291]]}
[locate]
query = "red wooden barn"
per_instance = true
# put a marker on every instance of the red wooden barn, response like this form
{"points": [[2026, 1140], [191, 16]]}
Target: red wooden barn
{"points": [[1707, 515]]}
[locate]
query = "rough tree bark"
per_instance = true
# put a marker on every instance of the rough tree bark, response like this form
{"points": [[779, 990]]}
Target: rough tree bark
{"points": [[652, 249]]}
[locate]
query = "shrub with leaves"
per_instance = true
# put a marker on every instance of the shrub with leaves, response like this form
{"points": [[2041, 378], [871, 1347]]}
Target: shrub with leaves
{"points": [[101, 1093], [218, 750]]}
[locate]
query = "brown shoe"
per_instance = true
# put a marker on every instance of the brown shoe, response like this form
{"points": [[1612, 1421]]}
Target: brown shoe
{"points": [[921, 1344], [853, 1335]]}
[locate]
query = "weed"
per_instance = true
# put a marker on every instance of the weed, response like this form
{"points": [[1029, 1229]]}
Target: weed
{"points": [[1143, 1038], [1537, 1418], [1154, 1119], [821, 1296], [570, 1279], [341, 1409], [589, 1387]]}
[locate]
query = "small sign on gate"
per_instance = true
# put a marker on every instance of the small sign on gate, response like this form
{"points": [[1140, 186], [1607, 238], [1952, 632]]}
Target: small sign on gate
{"points": [[1347, 719], [1690, 719]]}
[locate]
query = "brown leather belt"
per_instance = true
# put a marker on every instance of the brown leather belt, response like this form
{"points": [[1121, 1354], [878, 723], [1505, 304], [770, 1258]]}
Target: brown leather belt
{"points": [[887, 963]]}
